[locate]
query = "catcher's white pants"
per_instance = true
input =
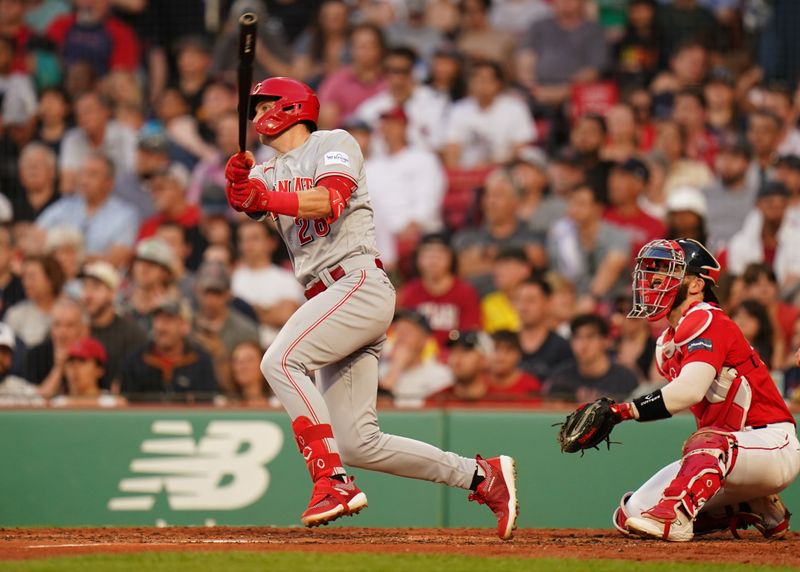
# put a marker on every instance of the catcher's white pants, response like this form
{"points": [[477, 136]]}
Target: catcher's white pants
{"points": [[339, 334], [768, 461]]}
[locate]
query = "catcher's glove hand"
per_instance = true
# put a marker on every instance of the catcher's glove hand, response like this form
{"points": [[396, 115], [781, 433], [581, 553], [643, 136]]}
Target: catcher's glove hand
{"points": [[588, 426]]}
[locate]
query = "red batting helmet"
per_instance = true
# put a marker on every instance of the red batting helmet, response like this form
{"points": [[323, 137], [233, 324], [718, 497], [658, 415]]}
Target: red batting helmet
{"points": [[294, 102], [660, 268]]}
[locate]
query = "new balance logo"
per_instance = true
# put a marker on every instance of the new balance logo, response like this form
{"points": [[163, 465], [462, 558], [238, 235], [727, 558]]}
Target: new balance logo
{"points": [[224, 470]]}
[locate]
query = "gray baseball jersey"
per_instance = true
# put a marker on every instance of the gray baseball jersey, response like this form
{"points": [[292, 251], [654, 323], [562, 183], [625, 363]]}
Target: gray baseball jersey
{"points": [[315, 245]]}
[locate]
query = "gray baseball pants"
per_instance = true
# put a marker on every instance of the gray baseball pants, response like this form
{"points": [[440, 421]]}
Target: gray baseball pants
{"points": [[339, 334]]}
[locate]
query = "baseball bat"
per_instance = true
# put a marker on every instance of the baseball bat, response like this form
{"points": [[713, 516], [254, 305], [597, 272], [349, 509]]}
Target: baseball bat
{"points": [[247, 50]]}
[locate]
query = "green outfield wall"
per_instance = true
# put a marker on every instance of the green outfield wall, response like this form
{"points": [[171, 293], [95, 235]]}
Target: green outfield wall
{"points": [[204, 467]]}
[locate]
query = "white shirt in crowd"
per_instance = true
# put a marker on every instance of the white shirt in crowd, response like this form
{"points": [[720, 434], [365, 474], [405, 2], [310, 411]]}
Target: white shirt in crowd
{"points": [[407, 187], [265, 287], [19, 99], [119, 145], [427, 112], [490, 135]]}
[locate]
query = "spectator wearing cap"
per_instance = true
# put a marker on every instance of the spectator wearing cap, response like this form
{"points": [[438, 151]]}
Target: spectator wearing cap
{"points": [[14, 390], [764, 132], [507, 381], [120, 335], [409, 370], [108, 223], [85, 370], [468, 359], [561, 51], [407, 184], [731, 196], [766, 238], [687, 212], [489, 126], [542, 348], [79, 34], [170, 366], [344, 90], [42, 281], [477, 248], [45, 361], [37, 177], [510, 269], [95, 132], [627, 183], [218, 327], [272, 291], [590, 252], [689, 111], [593, 374], [778, 100], [152, 280], [425, 108], [539, 205], [761, 285], [446, 301], [152, 156], [11, 290]]}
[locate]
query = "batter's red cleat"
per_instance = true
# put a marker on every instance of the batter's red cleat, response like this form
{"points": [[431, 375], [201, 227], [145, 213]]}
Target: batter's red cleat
{"points": [[498, 491], [330, 499]]}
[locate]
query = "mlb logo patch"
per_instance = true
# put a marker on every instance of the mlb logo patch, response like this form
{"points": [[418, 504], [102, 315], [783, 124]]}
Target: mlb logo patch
{"points": [[700, 344]]}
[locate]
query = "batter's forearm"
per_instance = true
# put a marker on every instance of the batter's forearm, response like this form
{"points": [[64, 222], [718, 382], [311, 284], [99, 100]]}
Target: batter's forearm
{"points": [[314, 203]]}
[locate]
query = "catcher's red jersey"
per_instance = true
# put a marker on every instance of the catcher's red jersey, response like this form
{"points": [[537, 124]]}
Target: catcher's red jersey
{"points": [[747, 397]]}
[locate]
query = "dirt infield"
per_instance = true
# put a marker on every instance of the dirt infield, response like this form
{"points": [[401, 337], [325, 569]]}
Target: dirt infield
{"points": [[42, 543]]}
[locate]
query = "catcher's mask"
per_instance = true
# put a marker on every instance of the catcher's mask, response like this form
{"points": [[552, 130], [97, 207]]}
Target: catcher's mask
{"points": [[294, 102], [660, 268]]}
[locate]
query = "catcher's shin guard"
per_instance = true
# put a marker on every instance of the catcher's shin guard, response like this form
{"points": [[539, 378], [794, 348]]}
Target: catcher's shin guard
{"points": [[310, 440], [708, 456]]}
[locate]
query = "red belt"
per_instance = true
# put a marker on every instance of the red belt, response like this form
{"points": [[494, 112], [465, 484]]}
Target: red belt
{"points": [[336, 274]]}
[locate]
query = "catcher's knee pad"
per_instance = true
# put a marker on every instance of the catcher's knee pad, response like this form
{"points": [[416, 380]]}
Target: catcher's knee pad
{"points": [[708, 456], [310, 439], [620, 516]]}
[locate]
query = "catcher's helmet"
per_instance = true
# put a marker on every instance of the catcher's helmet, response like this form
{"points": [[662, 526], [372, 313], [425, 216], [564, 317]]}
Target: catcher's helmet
{"points": [[660, 268], [294, 102]]}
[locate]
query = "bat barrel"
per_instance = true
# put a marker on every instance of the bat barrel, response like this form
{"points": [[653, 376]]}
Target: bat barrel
{"points": [[247, 49]]}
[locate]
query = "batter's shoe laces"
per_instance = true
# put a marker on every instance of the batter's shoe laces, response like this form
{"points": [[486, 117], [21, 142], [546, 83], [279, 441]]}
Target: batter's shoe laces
{"points": [[332, 498], [498, 490]]}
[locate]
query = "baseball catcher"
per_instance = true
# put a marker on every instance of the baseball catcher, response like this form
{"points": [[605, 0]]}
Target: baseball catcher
{"points": [[745, 450]]}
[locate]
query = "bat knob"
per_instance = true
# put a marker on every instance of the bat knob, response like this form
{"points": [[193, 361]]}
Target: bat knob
{"points": [[247, 19]]}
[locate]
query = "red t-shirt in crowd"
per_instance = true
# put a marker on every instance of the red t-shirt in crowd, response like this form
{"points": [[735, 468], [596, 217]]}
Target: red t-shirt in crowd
{"points": [[641, 227], [525, 386], [456, 309], [190, 218]]}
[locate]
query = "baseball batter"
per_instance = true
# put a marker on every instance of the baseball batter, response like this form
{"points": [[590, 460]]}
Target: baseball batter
{"points": [[745, 450], [316, 192]]}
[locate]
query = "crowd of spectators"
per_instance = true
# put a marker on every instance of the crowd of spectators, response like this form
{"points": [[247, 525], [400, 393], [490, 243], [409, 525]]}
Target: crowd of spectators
{"points": [[518, 154]]}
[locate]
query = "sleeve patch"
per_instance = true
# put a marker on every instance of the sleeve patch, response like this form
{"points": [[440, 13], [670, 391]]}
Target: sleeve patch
{"points": [[700, 344], [337, 158]]}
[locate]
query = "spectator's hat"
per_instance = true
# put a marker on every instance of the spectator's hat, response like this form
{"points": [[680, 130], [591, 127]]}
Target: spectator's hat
{"points": [[213, 276], [175, 307], [687, 198], [790, 162], [735, 144], [472, 340], [176, 172], [721, 75], [395, 113], [773, 189], [434, 238], [153, 141], [156, 251], [414, 317], [635, 167], [532, 156], [102, 271], [88, 348], [7, 337]]}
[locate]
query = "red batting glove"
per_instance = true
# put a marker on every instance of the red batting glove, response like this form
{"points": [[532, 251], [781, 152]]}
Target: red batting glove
{"points": [[241, 191]]}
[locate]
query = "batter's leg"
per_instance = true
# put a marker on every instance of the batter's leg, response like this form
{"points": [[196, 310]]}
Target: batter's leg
{"points": [[350, 388]]}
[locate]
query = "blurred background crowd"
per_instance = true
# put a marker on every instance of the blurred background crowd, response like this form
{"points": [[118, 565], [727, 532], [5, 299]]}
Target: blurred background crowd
{"points": [[518, 154]]}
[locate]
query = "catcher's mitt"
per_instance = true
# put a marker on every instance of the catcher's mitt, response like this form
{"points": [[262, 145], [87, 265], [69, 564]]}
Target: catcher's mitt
{"points": [[588, 426]]}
